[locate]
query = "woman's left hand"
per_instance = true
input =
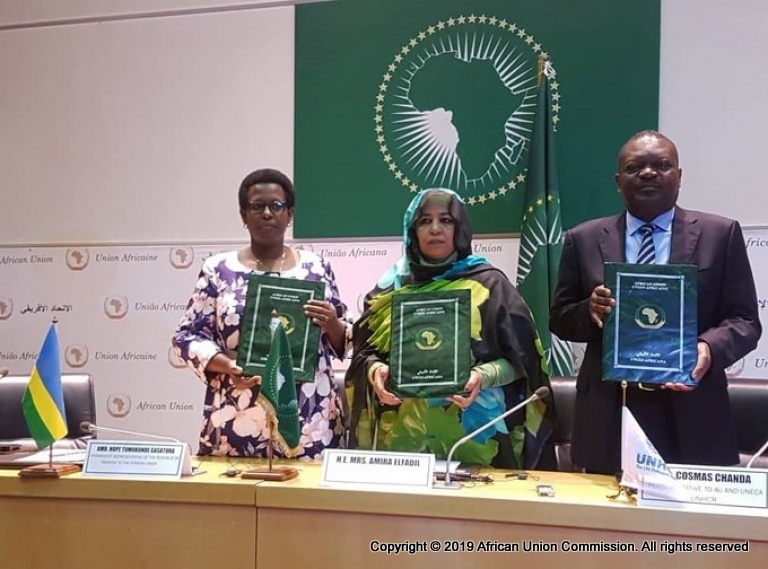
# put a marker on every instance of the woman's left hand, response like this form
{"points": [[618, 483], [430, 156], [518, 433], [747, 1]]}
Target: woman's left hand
{"points": [[322, 313], [472, 388]]}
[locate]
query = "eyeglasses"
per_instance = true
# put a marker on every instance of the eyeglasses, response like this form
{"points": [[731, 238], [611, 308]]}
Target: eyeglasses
{"points": [[275, 206]]}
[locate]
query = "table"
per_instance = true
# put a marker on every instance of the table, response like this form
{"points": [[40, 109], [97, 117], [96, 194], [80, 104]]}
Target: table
{"points": [[212, 521]]}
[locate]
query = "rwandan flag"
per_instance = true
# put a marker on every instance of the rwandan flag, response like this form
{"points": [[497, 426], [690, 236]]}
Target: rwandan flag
{"points": [[43, 401]]}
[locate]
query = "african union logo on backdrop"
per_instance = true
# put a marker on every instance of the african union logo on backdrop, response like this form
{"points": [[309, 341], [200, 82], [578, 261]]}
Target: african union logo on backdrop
{"points": [[76, 355], [6, 307], [115, 306], [181, 257], [455, 105], [118, 405], [77, 259]]}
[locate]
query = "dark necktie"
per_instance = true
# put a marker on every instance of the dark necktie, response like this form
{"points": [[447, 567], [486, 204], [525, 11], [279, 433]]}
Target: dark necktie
{"points": [[647, 253]]}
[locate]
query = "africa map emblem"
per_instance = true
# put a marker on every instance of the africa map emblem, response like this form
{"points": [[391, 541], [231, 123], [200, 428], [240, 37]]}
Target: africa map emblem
{"points": [[455, 107]]}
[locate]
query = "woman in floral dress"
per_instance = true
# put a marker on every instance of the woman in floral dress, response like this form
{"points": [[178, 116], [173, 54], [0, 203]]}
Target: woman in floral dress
{"points": [[207, 337]]}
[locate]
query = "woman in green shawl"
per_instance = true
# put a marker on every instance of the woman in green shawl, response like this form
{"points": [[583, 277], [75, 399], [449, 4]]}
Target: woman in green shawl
{"points": [[506, 353]]}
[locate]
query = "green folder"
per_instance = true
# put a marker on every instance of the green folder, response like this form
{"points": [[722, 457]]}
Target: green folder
{"points": [[650, 336], [430, 351], [285, 298]]}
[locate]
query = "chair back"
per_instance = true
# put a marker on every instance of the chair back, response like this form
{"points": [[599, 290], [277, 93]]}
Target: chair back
{"points": [[79, 405]]}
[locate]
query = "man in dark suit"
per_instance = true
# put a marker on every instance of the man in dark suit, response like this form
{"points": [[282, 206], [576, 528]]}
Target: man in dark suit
{"points": [[687, 425]]}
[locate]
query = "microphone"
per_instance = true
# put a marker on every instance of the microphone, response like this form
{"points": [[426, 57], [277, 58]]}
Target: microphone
{"points": [[91, 428], [540, 393], [4, 371], [757, 455]]}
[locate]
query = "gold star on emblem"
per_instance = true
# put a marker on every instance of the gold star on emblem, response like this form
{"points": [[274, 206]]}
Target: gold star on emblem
{"points": [[414, 188], [512, 27], [550, 197], [556, 96], [530, 209], [392, 167], [537, 47], [461, 20], [398, 58], [482, 198], [521, 33], [399, 175], [502, 191], [471, 201], [413, 42], [441, 25], [492, 194], [521, 177], [379, 128], [482, 19], [422, 35], [539, 201], [492, 21], [379, 108], [378, 118], [529, 40], [472, 19], [451, 22], [387, 158], [379, 139], [555, 84], [392, 67], [431, 30], [379, 97], [555, 108]]}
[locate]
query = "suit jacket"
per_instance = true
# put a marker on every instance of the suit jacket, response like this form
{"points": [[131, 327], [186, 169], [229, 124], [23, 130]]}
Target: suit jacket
{"points": [[728, 321]]}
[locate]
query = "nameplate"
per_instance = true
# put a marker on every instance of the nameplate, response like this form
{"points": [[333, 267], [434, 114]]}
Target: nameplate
{"points": [[714, 486], [138, 459], [377, 469]]}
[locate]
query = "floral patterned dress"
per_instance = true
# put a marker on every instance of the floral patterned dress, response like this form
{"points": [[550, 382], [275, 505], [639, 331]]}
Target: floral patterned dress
{"points": [[234, 424]]}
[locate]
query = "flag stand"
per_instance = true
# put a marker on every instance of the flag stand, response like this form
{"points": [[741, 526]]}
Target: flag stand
{"points": [[625, 495], [47, 374], [271, 473], [49, 470]]}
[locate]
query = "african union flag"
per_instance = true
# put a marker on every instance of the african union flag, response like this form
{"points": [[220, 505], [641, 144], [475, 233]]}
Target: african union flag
{"points": [[43, 401], [393, 96]]}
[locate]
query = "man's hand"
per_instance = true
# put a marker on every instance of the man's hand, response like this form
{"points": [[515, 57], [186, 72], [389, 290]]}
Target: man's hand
{"points": [[600, 304], [703, 363]]}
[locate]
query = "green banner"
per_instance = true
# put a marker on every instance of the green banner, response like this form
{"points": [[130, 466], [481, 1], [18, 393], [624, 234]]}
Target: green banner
{"points": [[393, 96]]}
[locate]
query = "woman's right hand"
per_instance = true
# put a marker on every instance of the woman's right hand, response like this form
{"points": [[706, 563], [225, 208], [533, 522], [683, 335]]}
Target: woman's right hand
{"points": [[379, 382], [221, 363]]}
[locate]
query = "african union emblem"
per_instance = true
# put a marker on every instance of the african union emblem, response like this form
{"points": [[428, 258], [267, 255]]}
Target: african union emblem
{"points": [[429, 339], [650, 317], [456, 104]]}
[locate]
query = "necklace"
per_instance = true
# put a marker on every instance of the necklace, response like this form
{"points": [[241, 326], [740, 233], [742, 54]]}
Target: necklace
{"points": [[260, 263]]}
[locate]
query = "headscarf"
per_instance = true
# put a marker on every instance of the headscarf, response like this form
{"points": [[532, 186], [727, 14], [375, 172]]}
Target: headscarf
{"points": [[411, 266]]}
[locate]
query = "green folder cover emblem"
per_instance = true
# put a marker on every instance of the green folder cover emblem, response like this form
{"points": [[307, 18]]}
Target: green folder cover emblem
{"points": [[431, 354], [650, 336], [286, 297]]}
